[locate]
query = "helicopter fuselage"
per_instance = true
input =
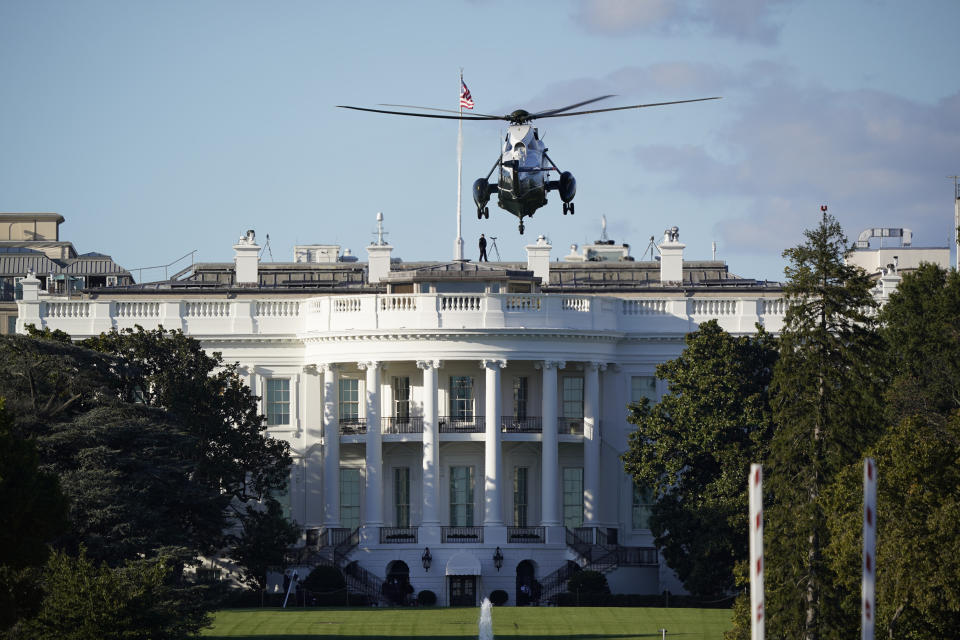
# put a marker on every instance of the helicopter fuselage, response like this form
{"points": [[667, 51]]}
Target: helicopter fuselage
{"points": [[523, 178]]}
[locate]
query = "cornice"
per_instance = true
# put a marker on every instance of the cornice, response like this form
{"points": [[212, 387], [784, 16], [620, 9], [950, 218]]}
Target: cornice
{"points": [[464, 335]]}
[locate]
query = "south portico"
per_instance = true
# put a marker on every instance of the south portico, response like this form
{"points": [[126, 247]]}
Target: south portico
{"points": [[472, 439]]}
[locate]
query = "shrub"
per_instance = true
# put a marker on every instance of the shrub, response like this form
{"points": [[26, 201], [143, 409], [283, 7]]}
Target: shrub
{"points": [[326, 586], [426, 598], [588, 583], [499, 598]]}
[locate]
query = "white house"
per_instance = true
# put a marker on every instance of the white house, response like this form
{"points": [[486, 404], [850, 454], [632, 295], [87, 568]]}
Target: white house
{"points": [[455, 426]]}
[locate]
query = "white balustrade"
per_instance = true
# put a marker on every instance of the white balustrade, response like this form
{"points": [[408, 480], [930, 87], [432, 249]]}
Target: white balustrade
{"points": [[424, 311], [67, 309]]}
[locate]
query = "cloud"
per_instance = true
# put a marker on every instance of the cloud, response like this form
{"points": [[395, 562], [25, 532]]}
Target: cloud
{"points": [[877, 159], [746, 20]]}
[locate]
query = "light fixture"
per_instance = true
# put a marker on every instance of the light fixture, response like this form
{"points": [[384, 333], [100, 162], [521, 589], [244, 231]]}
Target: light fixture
{"points": [[498, 558], [426, 558]]}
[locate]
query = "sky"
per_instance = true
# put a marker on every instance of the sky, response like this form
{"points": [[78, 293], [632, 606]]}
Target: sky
{"points": [[162, 128]]}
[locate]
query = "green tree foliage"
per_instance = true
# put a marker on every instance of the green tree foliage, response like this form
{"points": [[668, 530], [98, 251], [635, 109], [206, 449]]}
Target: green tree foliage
{"points": [[35, 513], [694, 449], [826, 397], [209, 398], [918, 530], [921, 324], [86, 601], [265, 535], [158, 444]]}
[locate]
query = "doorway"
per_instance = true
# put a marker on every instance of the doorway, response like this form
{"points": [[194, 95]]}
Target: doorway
{"points": [[527, 587], [463, 591], [397, 588]]}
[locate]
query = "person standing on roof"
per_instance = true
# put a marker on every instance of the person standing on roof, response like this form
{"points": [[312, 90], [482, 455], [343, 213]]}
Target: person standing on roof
{"points": [[483, 249]]}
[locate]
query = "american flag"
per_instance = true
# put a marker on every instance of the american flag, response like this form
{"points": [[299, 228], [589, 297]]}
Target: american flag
{"points": [[466, 100]]}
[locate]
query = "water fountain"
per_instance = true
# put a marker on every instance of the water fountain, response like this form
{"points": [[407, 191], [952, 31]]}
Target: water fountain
{"points": [[486, 622]]}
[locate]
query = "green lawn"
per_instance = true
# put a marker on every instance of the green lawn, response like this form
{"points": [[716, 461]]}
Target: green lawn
{"points": [[529, 623]]}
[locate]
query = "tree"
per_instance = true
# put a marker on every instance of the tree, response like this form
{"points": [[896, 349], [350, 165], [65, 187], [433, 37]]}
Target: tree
{"points": [[694, 449], [921, 325], [265, 536], [87, 601], [918, 530], [149, 419], [35, 512], [209, 398], [826, 397]]}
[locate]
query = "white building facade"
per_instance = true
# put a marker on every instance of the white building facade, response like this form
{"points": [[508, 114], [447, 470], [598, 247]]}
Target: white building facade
{"points": [[456, 427]]}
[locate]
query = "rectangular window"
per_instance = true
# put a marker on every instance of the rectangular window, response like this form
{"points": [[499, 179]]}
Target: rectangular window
{"points": [[643, 387], [349, 398], [461, 397], [642, 503], [520, 496], [461, 496], [520, 398], [573, 397], [11, 324], [401, 397], [350, 498], [278, 401], [573, 497], [401, 495]]}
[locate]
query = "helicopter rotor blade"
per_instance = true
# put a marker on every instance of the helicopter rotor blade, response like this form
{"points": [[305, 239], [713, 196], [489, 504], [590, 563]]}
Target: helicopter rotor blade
{"points": [[420, 115], [633, 106], [549, 112], [410, 106]]}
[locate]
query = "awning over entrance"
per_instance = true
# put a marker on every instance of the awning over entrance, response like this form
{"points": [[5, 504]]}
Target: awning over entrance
{"points": [[463, 564]]}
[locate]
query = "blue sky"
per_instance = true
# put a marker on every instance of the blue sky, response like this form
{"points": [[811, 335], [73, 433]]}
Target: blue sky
{"points": [[157, 128]]}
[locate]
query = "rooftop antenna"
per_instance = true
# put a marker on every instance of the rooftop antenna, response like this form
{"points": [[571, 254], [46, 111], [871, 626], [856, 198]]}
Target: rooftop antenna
{"points": [[603, 228], [380, 232], [956, 218], [714, 247], [651, 247], [266, 247]]}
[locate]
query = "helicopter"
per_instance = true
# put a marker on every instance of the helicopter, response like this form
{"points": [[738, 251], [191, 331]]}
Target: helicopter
{"points": [[523, 166]]}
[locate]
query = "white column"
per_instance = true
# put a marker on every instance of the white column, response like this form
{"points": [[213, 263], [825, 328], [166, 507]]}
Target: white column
{"points": [[374, 475], [493, 505], [431, 450], [550, 465], [591, 443], [331, 446]]}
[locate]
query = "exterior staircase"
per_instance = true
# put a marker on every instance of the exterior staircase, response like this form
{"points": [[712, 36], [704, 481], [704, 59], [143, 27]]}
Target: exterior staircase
{"points": [[333, 547], [594, 551]]}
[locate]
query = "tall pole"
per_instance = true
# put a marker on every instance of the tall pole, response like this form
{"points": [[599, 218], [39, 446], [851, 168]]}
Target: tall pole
{"points": [[956, 218], [868, 610], [755, 488], [458, 244]]}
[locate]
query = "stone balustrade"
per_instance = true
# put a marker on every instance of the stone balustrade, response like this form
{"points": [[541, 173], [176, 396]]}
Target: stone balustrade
{"points": [[407, 312]]}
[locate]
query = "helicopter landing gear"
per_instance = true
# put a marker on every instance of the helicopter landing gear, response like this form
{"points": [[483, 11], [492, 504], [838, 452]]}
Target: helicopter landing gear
{"points": [[567, 208], [486, 212], [571, 208], [483, 213], [521, 227]]}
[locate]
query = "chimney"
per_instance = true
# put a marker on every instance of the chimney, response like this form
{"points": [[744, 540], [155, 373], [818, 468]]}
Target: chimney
{"points": [[378, 264], [671, 257], [246, 260], [538, 259]]}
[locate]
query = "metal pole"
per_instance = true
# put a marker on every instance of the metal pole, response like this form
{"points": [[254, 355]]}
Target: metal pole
{"points": [[458, 244], [868, 608], [755, 489]]}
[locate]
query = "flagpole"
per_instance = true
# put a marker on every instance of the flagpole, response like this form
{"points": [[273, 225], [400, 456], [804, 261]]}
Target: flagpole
{"points": [[458, 244]]}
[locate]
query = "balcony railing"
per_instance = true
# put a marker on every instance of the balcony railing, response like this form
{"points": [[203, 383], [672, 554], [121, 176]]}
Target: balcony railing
{"points": [[408, 424], [465, 535], [572, 426], [637, 556], [398, 535], [450, 424], [533, 535], [521, 425], [352, 426]]}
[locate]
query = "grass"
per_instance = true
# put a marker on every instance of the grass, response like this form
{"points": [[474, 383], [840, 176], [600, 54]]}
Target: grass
{"points": [[522, 623]]}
